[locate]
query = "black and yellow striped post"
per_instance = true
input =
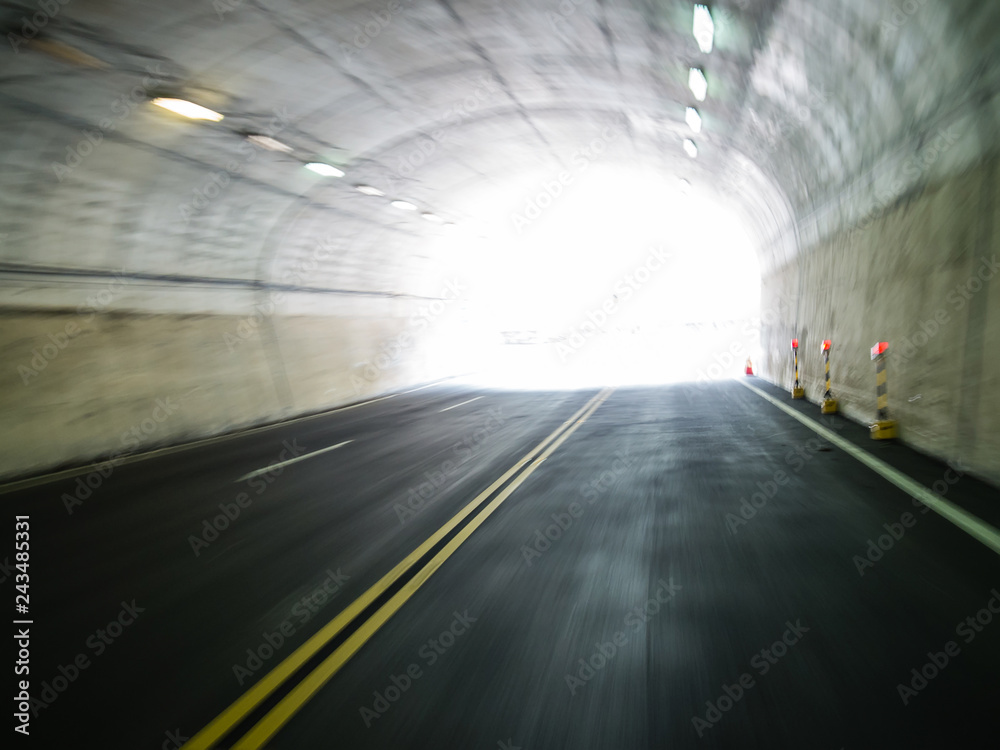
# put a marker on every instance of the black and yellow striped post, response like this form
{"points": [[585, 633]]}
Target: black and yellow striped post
{"points": [[829, 405], [797, 390], [883, 428]]}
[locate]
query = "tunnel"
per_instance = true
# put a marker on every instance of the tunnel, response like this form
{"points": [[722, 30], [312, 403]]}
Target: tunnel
{"points": [[481, 374]]}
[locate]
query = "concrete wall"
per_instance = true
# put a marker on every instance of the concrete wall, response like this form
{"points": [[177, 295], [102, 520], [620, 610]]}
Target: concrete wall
{"points": [[917, 274], [79, 385]]}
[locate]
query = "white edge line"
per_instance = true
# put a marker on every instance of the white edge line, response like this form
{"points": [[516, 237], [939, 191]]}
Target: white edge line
{"points": [[449, 408], [272, 467], [970, 524]]}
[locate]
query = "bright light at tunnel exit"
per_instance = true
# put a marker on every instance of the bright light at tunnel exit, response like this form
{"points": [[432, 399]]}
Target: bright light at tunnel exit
{"points": [[621, 278]]}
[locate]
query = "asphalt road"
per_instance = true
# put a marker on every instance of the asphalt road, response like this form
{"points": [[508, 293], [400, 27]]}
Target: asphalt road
{"points": [[622, 594]]}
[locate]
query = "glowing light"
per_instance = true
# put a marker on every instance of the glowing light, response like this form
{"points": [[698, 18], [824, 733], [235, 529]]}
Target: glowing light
{"points": [[369, 190], [690, 148], [187, 109], [612, 294], [704, 28], [698, 84], [432, 218], [693, 119], [326, 170], [795, 343], [826, 345], [271, 144], [404, 205], [880, 348]]}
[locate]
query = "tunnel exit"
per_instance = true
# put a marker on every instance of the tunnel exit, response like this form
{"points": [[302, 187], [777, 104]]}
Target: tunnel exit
{"points": [[619, 275]]}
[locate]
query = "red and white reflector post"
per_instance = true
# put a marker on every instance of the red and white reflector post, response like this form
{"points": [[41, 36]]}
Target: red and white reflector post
{"points": [[829, 405], [797, 390], [883, 428]]}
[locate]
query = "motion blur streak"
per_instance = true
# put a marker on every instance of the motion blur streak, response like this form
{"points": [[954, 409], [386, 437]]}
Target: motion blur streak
{"points": [[301, 302]]}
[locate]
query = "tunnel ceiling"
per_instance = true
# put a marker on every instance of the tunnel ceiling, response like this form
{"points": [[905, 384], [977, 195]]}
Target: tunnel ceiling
{"points": [[427, 100]]}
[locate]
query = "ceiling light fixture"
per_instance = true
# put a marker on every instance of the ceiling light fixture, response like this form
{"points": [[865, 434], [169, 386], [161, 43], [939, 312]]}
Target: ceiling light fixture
{"points": [[404, 205], [271, 144], [690, 148], [187, 109], [698, 84], [704, 27], [432, 218], [693, 119], [369, 190], [326, 170]]}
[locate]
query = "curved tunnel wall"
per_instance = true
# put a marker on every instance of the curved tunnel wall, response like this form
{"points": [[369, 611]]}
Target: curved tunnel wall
{"points": [[900, 243], [177, 264]]}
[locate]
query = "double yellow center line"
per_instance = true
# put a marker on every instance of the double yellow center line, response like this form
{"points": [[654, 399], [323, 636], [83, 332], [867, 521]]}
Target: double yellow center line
{"points": [[299, 695]]}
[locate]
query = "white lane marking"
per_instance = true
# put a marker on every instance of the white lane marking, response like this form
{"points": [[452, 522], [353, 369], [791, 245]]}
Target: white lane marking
{"points": [[20, 484], [272, 467], [52, 476], [429, 385], [449, 408], [972, 525]]}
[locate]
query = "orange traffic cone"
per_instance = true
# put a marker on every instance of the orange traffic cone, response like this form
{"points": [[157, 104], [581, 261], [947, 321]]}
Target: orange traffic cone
{"points": [[749, 366]]}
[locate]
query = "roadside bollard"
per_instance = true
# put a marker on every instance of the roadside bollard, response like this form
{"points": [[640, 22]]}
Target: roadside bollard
{"points": [[883, 428], [829, 405], [797, 390]]}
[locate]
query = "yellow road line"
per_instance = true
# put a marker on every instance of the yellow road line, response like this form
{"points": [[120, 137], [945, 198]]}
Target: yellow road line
{"points": [[224, 723], [278, 716], [972, 525]]}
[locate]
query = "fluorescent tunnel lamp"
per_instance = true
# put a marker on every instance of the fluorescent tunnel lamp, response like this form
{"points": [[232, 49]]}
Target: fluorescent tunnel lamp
{"points": [[704, 28], [698, 84], [327, 170], [693, 119], [187, 109]]}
